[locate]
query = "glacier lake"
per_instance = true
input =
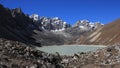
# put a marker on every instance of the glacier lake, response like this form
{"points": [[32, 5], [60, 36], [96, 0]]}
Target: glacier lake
{"points": [[69, 49]]}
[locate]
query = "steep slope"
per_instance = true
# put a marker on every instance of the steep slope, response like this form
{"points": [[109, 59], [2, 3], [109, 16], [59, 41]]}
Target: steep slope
{"points": [[15, 25], [107, 35], [110, 33]]}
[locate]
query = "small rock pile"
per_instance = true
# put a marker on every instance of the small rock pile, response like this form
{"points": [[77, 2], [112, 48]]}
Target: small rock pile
{"points": [[14, 54]]}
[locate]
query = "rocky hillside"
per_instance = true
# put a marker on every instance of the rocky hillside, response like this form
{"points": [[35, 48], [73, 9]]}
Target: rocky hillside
{"points": [[107, 35], [15, 25]]}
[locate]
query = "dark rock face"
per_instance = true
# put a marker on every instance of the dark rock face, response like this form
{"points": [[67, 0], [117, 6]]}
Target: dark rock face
{"points": [[16, 11], [15, 25]]}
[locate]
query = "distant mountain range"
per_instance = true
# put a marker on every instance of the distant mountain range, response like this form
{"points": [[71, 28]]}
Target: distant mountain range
{"points": [[38, 30], [50, 24], [56, 24]]}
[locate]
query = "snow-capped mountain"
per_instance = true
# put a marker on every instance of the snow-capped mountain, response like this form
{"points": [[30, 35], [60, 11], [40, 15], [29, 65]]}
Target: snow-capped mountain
{"points": [[109, 34], [87, 25], [35, 17], [51, 24]]}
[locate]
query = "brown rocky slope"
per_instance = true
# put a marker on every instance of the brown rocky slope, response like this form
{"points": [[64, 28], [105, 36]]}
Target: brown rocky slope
{"points": [[107, 35]]}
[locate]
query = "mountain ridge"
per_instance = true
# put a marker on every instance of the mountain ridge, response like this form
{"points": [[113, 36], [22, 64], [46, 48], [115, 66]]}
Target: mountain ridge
{"points": [[107, 35], [16, 25]]}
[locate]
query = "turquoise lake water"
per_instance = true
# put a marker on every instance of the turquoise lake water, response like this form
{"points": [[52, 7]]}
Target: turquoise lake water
{"points": [[69, 49]]}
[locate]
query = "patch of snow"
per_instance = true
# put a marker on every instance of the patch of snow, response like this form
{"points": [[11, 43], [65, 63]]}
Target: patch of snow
{"points": [[56, 18], [82, 27], [35, 17]]}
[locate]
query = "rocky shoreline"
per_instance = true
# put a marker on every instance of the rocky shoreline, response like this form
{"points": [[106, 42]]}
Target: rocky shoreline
{"points": [[108, 57], [69, 49], [87, 45]]}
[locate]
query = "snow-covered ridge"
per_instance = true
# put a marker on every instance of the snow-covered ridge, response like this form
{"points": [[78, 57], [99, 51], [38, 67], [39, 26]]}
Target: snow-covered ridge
{"points": [[51, 24], [87, 25], [56, 24]]}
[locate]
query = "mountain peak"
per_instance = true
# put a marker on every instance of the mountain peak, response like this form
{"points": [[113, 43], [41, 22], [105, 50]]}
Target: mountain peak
{"points": [[86, 25], [56, 18], [35, 17], [51, 24]]}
